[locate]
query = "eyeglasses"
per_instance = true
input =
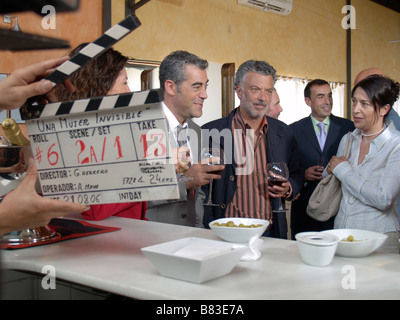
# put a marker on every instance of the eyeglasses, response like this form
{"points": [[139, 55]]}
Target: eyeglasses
{"points": [[257, 90]]}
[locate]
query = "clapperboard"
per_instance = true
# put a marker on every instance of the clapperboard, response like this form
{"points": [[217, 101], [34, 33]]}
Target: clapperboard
{"points": [[104, 149]]}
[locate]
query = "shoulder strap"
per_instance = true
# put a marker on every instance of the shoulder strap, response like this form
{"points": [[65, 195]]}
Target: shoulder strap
{"points": [[347, 149]]}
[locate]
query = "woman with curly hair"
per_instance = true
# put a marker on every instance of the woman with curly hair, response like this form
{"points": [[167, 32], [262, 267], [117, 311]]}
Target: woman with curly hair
{"points": [[104, 75]]}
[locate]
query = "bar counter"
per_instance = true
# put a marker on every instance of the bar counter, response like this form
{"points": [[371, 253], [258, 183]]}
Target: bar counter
{"points": [[113, 262]]}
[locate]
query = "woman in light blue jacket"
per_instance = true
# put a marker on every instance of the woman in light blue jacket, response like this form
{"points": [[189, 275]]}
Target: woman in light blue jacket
{"points": [[370, 178]]}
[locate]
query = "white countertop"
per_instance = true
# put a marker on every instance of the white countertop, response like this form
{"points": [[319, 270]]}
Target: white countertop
{"points": [[113, 262]]}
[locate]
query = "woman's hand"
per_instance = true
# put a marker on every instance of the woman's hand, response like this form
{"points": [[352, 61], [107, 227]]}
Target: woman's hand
{"points": [[334, 162], [23, 208], [26, 82]]}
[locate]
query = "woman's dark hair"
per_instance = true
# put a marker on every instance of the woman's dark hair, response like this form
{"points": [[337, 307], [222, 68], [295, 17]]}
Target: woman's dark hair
{"points": [[95, 78], [380, 90]]}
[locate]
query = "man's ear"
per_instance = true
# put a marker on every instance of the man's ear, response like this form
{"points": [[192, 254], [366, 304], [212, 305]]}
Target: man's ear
{"points": [[308, 101], [239, 92], [170, 87]]}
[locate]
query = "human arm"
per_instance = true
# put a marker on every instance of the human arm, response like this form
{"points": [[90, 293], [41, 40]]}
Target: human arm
{"points": [[282, 147], [19, 167], [23, 208], [278, 191], [201, 175], [132, 210], [375, 182], [26, 82], [313, 173]]}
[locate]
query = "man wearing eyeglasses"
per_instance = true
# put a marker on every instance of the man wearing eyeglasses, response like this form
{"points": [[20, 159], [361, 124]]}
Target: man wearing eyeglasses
{"points": [[257, 139]]}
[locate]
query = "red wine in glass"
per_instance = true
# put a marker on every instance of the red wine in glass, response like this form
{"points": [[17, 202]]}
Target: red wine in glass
{"points": [[217, 156], [278, 173]]}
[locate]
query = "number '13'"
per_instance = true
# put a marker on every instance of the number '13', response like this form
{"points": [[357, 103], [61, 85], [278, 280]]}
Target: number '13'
{"points": [[157, 148]]}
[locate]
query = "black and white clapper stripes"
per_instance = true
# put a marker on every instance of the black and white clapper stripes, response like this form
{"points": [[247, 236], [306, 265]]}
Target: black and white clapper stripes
{"points": [[92, 50], [92, 104]]}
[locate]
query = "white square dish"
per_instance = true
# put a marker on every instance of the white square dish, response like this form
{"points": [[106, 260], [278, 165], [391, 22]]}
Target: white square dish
{"points": [[194, 259]]}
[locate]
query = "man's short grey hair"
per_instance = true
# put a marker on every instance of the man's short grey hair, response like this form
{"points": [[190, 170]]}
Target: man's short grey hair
{"points": [[173, 67], [260, 67]]}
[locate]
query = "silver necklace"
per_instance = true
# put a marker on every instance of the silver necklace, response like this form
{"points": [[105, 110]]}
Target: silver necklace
{"points": [[372, 134]]}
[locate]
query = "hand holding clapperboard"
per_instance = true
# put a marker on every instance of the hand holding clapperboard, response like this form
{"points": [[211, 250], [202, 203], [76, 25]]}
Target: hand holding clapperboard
{"points": [[104, 149]]}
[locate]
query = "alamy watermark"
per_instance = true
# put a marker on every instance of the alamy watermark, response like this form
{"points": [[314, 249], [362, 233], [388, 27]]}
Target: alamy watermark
{"points": [[49, 21], [49, 280], [238, 146], [349, 280], [349, 21]]}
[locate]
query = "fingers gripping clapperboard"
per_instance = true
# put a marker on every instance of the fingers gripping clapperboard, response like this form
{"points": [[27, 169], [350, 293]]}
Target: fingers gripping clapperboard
{"points": [[104, 149]]}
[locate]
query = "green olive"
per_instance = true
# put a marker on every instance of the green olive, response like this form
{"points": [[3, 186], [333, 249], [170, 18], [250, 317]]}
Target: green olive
{"points": [[233, 225]]}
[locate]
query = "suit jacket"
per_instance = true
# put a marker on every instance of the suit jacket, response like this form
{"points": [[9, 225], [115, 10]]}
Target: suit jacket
{"points": [[281, 147], [394, 116], [178, 211], [309, 155]]}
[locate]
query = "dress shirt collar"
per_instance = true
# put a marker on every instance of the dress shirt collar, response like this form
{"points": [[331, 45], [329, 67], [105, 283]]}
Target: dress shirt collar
{"points": [[239, 119], [172, 121], [380, 140], [315, 122], [327, 121]]}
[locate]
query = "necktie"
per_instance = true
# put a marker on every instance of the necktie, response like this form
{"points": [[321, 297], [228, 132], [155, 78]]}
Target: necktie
{"points": [[182, 139], [321, 135], [181, 136]]}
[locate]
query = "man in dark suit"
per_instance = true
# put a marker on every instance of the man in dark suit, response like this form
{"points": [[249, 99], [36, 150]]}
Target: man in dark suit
{"points": [[250, 140], [318, 137]]}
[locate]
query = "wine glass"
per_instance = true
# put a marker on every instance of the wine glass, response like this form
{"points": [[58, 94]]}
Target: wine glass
{"points": [[212, 156], [278, 173], [183, 157], [323, 162], [12, 161], [14, 157], [181, 154]]}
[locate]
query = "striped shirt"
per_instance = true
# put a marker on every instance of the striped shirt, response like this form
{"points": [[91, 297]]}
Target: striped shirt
{"points": [[251, 197]]}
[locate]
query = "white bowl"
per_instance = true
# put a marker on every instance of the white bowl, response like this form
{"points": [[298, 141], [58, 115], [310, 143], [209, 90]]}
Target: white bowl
{"points": [[365, 242], [316, 248], [238, 234], [194, 259]]}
